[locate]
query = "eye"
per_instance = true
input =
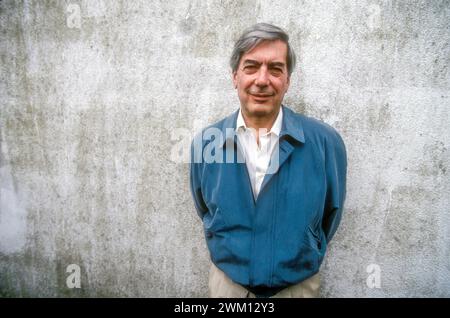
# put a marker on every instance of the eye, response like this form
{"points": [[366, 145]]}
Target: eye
{"points": [[276, 71], [250, 68]]}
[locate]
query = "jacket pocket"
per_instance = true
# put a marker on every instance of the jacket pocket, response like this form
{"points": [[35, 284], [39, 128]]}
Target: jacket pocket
{"points": [[213, 223], [316, 237], [215, 229]]}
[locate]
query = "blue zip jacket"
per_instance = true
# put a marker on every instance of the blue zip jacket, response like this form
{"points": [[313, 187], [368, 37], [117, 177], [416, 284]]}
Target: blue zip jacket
{"points": [[281, 238]]}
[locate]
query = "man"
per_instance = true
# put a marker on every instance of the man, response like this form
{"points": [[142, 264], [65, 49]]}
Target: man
{"points": [[268, 218]]}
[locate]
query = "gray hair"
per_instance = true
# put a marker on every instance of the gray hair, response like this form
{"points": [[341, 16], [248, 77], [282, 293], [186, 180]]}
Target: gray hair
{"points": [[256, 34]]}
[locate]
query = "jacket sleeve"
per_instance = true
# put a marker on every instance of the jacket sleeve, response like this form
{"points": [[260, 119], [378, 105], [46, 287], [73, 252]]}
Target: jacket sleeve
{"points": [[336, 174], [195, 178]]}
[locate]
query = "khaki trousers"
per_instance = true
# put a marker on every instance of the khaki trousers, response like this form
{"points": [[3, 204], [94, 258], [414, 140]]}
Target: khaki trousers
{"points": [[220, 286]]}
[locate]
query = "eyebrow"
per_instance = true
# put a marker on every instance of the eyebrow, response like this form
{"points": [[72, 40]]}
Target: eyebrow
{"points": [[277, 64], [253, 62]]}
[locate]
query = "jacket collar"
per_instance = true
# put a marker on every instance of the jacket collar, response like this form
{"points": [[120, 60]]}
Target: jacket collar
{"points": [[290, 126], [276, 127]]}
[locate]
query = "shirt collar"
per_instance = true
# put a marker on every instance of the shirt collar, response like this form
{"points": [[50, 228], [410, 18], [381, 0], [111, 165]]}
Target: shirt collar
{"points": [[291, 125], [276, 127]]}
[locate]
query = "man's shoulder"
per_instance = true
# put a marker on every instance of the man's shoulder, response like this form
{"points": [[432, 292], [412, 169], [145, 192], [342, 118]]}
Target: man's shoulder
{"points": [[314, 128], [226, 122], [318, 126], [218, 127]]}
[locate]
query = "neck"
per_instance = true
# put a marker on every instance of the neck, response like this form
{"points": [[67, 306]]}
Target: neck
{"points": [[260, 122]]}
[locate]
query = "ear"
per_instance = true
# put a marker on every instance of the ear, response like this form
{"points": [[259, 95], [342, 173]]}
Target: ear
{"points": [[234, 78], [288, 82]]}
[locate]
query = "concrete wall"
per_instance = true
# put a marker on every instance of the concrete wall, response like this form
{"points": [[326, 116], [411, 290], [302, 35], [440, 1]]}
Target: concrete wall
{"points": [[92, 90]]}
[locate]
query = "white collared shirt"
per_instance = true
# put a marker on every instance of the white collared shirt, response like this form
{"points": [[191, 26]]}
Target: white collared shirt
{"points": [[257, 157]]}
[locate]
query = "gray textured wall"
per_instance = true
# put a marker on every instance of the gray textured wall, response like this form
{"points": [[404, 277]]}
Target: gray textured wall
{"points": [[88, 107]]}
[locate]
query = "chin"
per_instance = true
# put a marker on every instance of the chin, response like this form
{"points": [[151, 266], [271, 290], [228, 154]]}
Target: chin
{"points": [[260, 110]]}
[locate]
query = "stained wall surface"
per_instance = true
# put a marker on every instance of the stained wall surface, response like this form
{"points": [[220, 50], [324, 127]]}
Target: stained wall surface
{"points": [[100, 98]]}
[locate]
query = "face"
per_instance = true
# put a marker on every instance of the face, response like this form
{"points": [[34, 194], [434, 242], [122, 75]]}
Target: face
{"points": [[262, 79]]}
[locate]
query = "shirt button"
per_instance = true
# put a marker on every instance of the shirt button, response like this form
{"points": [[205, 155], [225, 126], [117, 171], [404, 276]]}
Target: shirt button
{"points": [[209, 234]]}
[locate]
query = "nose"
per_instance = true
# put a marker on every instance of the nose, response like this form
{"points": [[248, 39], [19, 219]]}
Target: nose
{"points": [[263, 77]]}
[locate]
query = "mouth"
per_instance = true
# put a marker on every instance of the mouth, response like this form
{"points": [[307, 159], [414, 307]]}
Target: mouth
{"points": [[261, 97]]}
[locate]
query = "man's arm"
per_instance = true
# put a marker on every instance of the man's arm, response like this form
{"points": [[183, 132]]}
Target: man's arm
{"points": [[195, 182], [336, 172]]}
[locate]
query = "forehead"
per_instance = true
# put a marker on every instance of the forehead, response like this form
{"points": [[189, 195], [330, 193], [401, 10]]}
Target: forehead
{"points": [[267, 51]]}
